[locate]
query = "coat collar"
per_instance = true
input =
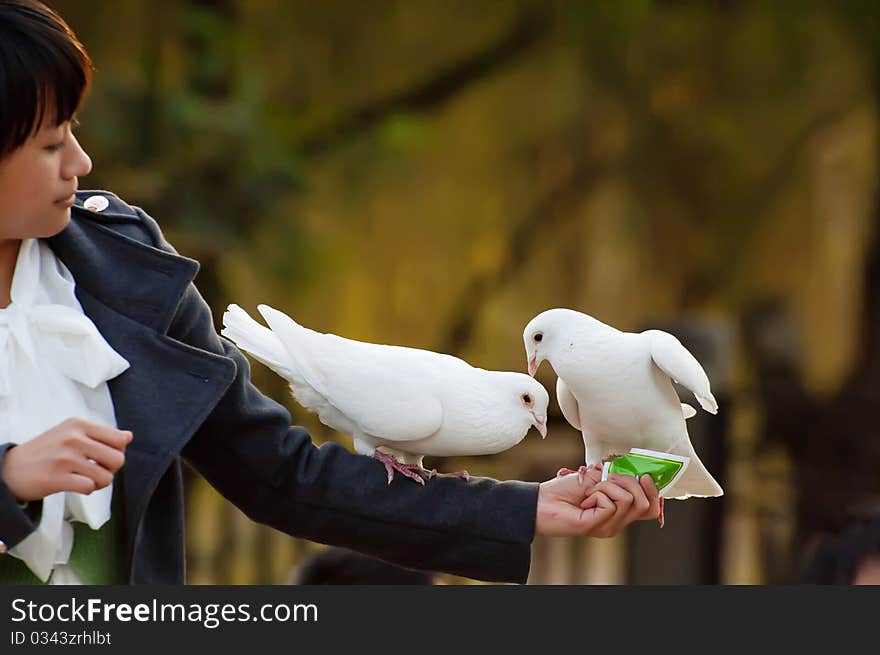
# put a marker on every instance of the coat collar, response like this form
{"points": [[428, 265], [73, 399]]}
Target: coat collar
{"points": [[132, 278]]}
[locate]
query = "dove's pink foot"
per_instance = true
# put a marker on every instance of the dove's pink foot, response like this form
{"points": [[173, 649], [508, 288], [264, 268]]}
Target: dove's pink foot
{"points": [[581, 473], [433, 473], [661, 519], [411, 471]]}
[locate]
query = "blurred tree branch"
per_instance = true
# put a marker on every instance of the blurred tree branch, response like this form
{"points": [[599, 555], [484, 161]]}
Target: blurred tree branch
{"points": [[747, 214], [434, 91], [550, 211]]}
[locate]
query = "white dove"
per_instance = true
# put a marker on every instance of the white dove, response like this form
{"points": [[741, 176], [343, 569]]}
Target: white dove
{"points": [[406, 401], [616, 388]]}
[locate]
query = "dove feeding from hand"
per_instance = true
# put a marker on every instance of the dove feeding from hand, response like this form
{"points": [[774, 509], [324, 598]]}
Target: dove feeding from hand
{"points": [[616, 388], [399, 404]]}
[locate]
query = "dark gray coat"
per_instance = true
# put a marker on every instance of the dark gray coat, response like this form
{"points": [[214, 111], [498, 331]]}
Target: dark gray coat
{"points": [[188, 395]]}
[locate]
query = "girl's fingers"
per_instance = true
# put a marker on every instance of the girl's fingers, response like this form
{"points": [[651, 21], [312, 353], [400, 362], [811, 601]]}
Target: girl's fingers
{"points": [[615, 492], [80, 484], [623, 504], [598, 511], [110, 458], [94, 471], [652, 495], [114, 438]]}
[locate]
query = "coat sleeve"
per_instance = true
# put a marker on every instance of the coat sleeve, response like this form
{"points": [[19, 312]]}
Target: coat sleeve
{"points": [[17, 520], [248, 450]]}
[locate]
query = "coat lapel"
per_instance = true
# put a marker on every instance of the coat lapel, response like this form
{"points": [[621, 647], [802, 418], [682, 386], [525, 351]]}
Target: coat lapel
{"points": [[134, 279], [131, 291]]}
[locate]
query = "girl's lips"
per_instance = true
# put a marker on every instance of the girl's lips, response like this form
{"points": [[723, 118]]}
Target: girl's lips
{"points": [[66, 202]]}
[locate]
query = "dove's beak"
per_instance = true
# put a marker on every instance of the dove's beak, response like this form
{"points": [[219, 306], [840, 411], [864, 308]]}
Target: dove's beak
{"points": [[533, 365], [540, 425]]}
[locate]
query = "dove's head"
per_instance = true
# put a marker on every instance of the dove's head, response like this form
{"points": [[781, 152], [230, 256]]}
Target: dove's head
{"points": [[528, 401], [549, 334], [540, 337]]}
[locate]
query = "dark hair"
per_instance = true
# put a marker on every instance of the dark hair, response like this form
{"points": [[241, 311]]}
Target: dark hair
{"points": [[44, 71], [340, 566], [835, 560]]}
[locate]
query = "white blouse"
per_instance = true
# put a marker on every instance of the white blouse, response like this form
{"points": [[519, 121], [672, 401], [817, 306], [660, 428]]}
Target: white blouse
{"points": [[54, 365]]}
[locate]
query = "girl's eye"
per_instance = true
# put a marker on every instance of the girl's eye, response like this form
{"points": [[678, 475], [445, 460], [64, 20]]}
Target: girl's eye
{"points": [[55, 147]]}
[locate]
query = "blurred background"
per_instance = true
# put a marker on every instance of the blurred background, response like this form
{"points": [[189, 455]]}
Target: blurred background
{"points": [[433, 173]]}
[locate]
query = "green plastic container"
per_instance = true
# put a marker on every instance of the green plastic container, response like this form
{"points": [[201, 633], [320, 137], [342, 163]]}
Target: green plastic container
{"points": [[664, 468]]}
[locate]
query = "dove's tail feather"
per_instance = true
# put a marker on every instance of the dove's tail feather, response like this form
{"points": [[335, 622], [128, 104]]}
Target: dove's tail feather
{"points": [[708, 403], [299, 343], [257, 340], [696, 481], [272, 315]]}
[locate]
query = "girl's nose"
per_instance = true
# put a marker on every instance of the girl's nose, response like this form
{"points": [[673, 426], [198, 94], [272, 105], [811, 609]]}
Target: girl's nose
{"points": [[77, 162]]}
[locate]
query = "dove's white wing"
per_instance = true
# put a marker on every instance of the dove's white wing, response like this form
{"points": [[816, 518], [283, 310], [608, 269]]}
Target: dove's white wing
{"points": [[675, 360], [568, 404], [373, 386]]}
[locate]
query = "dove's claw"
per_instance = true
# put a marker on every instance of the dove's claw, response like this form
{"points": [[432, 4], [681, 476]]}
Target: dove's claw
{"points": [[410, 471], [581, 473]]}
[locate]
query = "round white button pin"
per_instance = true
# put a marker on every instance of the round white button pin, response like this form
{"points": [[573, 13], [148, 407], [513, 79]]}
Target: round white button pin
{"points": [[96, 203]]}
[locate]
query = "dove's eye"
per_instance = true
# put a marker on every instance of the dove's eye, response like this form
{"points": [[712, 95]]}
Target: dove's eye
{"points": [[539, 337], [527, 399]]}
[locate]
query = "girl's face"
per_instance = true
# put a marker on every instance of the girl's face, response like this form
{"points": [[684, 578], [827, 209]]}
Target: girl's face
{"points": [[37, 183]]}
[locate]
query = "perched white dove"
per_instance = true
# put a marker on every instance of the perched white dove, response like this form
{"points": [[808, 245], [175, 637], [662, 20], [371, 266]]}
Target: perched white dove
{"points": [[616, 388], [408, 402]]}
